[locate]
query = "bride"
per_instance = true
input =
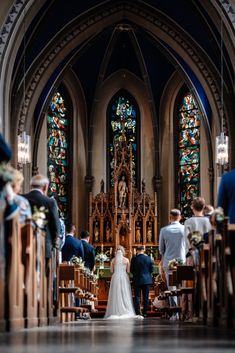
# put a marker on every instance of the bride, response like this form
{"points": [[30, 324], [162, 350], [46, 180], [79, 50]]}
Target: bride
{"points": [[120, 305]]}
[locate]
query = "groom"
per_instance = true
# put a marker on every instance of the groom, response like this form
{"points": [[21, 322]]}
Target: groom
{"points": [[141, 269]]}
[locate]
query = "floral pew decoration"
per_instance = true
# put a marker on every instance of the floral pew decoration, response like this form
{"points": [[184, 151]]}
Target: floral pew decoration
{"points": [[172, 264]]}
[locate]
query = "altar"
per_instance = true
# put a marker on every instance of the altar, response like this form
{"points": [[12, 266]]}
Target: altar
{"points": [[124, 215], [104, 277]]}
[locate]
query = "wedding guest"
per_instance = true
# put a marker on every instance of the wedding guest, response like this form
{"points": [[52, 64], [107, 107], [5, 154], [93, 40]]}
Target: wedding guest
{"points": [[5, 150], [38, 198], [226, 195], [24, 206], [72, 245], [89, 251], [198, 222], [172, 246]]}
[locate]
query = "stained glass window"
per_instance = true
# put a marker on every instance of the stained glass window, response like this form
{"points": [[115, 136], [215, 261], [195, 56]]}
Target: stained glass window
{"points": [[188, 153], [123, 118], [57, 137]]}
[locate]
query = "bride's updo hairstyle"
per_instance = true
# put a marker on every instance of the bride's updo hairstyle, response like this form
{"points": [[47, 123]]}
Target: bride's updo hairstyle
{"points": [[121, 248]]}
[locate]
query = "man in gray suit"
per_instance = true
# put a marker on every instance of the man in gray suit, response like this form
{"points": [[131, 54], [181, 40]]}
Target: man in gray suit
{"points": [[172, 245]]}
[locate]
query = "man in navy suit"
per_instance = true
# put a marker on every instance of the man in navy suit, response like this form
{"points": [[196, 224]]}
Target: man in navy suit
{"points": [[89, 251], [141, 269], [72, 245], [226, 195]]}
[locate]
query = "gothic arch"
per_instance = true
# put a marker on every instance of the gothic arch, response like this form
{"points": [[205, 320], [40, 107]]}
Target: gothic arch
{"points": [[79, 160], [125, 80], [167, 128]]}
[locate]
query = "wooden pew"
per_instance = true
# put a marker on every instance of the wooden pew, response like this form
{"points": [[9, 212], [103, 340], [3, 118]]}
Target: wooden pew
{"points": [[29, 247], [67, 290], [42, 290], [204, 282], [231, 229], [53, 293], [2, 272], [14, 293], [221, 275]]}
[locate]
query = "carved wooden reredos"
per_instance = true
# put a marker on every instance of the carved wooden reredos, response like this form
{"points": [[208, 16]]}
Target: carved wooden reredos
{"points": [[123, 215]]}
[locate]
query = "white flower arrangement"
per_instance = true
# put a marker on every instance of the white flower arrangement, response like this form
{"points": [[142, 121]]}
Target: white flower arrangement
{"points": [[101, 257], [218, 214], [39, 216], [196, 239], [76, 260], [172, 264]]}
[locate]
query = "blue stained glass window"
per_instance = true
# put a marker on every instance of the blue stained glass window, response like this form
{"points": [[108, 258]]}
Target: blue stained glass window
{"points": [[123, 118], [58, 147], [188, 153]]}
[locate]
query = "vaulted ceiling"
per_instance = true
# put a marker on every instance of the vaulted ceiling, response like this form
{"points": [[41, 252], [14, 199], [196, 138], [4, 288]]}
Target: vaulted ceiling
{"points": [[123, 42]]}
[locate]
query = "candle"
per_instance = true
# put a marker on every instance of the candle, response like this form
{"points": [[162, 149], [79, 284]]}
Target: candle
{"points": [[111, 250], [134, 251], [102, 247]]}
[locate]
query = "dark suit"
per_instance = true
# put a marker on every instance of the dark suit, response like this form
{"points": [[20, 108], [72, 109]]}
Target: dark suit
{"points": [[226, 195], [72, 246], [52, 228], [141, 269], [5, 150], [89, 255]]}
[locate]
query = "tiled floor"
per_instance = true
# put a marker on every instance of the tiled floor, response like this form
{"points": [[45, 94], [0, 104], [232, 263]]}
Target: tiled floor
{"points": [[100, 336]]}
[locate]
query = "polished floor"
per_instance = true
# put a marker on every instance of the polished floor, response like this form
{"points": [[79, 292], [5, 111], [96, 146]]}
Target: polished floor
{"points": [[123, 336]]}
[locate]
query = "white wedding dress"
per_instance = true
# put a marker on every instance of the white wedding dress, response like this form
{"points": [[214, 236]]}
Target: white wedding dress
{"points": [[120, 304]]}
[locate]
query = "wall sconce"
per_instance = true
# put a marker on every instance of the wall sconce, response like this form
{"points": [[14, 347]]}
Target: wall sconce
{"points": [[221, 149], [24, 148]]}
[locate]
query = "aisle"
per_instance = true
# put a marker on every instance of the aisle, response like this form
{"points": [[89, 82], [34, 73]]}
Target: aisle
{"points": [[99, 336]]}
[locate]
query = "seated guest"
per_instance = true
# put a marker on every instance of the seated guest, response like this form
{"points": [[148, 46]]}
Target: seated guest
{"points": [[72, 245], [89, 251], [24, 206]]}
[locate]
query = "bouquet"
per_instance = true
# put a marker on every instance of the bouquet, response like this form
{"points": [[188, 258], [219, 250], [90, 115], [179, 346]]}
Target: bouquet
{"points": [[76, 260], [217, 215], [101, 257], [172, 264], [196, 239], [39, 216]]}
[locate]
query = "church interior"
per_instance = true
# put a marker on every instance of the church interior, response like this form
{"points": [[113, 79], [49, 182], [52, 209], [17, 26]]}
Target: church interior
{"points": [[128, 108]]}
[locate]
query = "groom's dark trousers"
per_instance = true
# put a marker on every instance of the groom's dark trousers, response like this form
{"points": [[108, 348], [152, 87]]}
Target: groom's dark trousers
{"points": [[141, 269]]}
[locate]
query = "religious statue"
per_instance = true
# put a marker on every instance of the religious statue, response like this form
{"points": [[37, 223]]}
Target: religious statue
{"points": [[122, 235], [96, 232], [137, 233], [102, 186], [143, 185], [108, 236], [122, 192], [149, 232]]}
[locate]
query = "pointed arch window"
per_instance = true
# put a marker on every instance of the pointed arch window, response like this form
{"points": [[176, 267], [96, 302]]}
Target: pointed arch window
{"points": [[188, 148], [58, 125], [123, 115]]}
